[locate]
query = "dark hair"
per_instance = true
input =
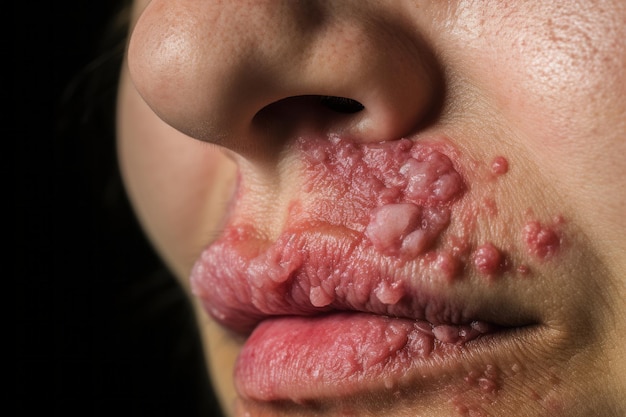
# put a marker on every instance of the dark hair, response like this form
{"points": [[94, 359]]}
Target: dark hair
{"points": [[103, 326]]}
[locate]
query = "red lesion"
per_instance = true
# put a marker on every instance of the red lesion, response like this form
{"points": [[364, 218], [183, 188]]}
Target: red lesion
{"points": [[499, 165], [488, 260], [543, 241], [364, 186]]}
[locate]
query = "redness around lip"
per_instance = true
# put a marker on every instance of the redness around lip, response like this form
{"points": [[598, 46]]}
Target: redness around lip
{"points": [[367, 211], [399, 193], [367, 233]]}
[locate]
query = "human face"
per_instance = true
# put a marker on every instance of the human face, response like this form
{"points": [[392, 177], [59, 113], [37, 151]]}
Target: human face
{"points": [[451, 242]]}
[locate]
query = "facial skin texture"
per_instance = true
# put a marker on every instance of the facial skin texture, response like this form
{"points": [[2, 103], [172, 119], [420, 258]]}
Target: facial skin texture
{"points": [[530, 98]]}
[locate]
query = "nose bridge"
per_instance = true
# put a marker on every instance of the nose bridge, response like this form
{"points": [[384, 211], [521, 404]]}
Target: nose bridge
{"points": [[208, 68]]}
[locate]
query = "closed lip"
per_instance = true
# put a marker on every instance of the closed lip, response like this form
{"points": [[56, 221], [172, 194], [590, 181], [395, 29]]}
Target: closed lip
{"points": [[330, 312], [242, 280], [383, 328]]}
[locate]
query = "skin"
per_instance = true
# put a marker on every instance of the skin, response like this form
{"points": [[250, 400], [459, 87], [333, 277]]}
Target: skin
{"points": [[542, 84]]}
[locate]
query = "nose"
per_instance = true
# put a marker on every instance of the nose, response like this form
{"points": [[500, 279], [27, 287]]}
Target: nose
{"points": [[251, 74]]}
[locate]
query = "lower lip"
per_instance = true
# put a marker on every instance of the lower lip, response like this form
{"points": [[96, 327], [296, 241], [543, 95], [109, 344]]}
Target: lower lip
{"points": [[339, 355]]}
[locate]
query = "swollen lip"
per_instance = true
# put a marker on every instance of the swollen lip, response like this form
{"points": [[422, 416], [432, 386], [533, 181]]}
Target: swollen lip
{"points": [[358, 288], [365, 233], [332, 321], [345, 354], [242, 281]]}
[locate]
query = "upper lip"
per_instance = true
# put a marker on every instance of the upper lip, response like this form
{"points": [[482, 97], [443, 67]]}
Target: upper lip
{"points": [[316, 266], [283, 279]]}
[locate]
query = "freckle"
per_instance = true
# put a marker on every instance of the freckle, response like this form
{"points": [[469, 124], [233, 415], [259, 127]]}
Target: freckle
{"points": [[499, 165]]}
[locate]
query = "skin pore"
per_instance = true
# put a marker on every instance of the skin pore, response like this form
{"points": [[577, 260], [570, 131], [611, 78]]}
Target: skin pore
{"points": [[491, 143]]}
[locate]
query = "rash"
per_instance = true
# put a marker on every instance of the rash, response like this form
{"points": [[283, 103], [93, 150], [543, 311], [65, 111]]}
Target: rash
{"points": [[399, 194], [370, 229]]}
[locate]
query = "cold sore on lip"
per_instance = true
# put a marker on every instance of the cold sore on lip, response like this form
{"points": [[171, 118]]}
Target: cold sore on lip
{"points": [[343, 298]]}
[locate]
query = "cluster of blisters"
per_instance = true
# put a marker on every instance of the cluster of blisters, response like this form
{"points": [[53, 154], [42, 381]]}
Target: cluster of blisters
{"points": [[543, 241], [400, 192], [365, 208]]}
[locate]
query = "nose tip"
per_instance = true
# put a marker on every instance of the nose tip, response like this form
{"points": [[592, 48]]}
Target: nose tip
{"points": [[214, 70]]}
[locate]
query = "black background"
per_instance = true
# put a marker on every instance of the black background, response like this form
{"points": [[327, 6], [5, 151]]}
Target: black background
{"points": [[100, 327]]}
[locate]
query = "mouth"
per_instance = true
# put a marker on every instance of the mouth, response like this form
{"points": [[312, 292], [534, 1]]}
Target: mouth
{"points": [[379, 330], [366, 287], [340, 356]]}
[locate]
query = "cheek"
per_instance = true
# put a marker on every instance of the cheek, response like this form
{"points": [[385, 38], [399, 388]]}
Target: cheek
{"points": [[575, 97], [179, 187], [560, 88]]}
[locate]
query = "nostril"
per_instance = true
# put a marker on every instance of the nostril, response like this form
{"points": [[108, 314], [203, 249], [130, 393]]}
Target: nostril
{"points": [[341, 104], [283, 120]]}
